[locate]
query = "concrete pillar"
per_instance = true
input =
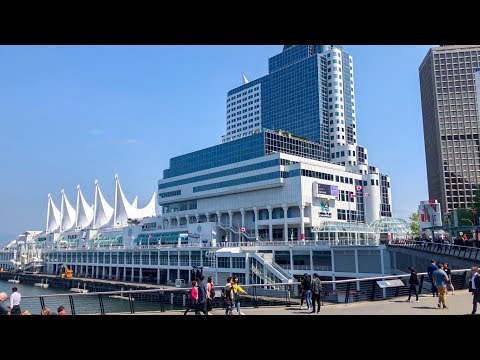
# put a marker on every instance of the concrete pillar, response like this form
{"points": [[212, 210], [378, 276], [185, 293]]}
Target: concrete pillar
{"points": [[285, 225], [178, 221], [255, 210], [315, 236], [219, 217], [133, 272], [291, 261], [158, 276], [242, 212], [356, 269], [169, 223], [270, 225], [140, 275], [197, 217], [302, 224], [311, 260], [207, 215], [188, 219], [230, 223], [97, 272], [124, 273]]}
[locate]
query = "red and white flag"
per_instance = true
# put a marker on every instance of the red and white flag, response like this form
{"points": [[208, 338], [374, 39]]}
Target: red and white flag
{"points": [[366, 194], [359, 187], [352, 195]]}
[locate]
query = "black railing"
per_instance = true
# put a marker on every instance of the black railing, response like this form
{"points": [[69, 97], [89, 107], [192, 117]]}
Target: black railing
{"points": [[278, 294], [467, 252]]}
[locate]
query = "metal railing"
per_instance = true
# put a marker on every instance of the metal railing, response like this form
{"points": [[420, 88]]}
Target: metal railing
{"points": [[273, 294], [467, 252]]}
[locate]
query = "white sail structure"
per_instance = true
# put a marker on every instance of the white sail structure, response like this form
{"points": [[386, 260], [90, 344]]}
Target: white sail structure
{"points": [[103, 211], [84, 212], [53, 216], [135, 202], [124, 210], [67, 214]]}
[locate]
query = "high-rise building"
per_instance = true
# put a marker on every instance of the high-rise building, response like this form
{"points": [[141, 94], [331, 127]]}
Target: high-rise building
{"points": [[451, 124], [308, 92], [477, 84]]}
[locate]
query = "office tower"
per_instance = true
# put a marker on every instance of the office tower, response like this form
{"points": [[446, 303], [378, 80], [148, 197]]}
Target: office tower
{"points": [[451, 124]]}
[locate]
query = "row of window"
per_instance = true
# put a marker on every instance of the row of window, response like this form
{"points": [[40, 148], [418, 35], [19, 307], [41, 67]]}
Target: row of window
{"points": [[218, 174], [241, 181], [242, 94]]}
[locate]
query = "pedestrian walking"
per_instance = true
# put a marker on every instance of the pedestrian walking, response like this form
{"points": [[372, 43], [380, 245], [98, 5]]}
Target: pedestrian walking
{"points": [[307, 286], [430, 269], [15, 299], [440, 279], [193, 297], [210, 294], [474, 288], [413, 282], [316, 292], [237, 290], [449, 274]]}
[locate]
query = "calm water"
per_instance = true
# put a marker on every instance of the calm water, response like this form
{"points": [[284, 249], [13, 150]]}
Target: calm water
{"points": [[83, 304]]}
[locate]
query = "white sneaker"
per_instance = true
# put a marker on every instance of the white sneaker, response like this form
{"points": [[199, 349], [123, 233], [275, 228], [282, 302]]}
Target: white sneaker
{"points": [[416, 300], [241, 313], [209, 313], [301, 307]]}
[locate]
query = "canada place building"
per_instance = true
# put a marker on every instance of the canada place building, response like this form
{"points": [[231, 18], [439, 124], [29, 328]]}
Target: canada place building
{"points": [[451, 124]]}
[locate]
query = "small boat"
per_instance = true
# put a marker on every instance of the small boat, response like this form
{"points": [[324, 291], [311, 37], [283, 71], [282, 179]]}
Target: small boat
{"points": [[15, 281], [42, 284], [79, 289]]}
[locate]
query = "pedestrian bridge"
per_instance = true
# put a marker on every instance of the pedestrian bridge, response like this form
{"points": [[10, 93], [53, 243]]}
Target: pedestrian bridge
{"points": [[418, 255]]}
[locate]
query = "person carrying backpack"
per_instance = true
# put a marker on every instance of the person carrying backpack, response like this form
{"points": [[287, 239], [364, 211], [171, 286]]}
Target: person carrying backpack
{"points": [[316, 292], [227, 295], [413, 281]]}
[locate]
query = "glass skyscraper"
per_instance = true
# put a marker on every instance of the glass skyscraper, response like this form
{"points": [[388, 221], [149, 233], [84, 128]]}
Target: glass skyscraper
{"points": [[451, 124], [308, 92]]}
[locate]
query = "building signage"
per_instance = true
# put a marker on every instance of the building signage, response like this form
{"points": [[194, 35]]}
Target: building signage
{"points": [[324, 189], [325, 209]]}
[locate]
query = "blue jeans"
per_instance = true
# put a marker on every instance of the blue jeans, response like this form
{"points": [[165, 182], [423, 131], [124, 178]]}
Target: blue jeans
{"points": [[308, 298]]}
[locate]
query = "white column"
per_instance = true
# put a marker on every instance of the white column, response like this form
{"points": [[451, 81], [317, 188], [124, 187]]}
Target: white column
{"points": [[188, 219], [255, 210], [169, 222], [230, 223], [315, 236], [302, 224], [178, 221], [219, 217], [270, 225], [197, 217], [242, 212], [158, 276], [285, 225], [207, 215]]}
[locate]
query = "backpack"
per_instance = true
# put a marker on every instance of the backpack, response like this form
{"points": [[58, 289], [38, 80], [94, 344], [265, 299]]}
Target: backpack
{"points": [[415, 279], [226, 293]]}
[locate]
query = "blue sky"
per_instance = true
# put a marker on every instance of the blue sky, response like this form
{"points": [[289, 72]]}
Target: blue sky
{"points": [[73, 114]]}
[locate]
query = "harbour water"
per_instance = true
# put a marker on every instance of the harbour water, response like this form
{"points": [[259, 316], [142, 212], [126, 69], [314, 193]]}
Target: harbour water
{"points": [[83, 304]]}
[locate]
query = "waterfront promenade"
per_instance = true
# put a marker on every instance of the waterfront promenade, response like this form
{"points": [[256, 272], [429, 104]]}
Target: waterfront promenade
{"points": [[458, 304]]}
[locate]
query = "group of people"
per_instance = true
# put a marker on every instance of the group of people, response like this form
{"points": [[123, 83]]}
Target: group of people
{"points": [[201, 296], [14, 308], [440, 278], [311, 292]]}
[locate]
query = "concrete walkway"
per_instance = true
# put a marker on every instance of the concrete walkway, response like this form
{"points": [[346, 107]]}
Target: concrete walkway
{"points": [[458, 304]]}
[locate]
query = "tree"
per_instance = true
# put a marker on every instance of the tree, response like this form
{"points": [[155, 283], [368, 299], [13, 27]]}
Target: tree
{"points": [[415, 224], [476, 206]]}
